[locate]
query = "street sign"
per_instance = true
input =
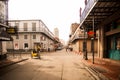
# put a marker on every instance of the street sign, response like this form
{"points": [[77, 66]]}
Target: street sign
{"points": [[91, 34], [11, 30]]}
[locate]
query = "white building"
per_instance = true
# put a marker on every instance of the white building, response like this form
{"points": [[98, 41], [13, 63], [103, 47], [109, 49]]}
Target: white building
{"points": [[31, 33], [56, 32]]}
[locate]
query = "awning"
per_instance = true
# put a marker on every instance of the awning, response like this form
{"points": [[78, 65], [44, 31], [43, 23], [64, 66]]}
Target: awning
{"points": [[4, 36]]}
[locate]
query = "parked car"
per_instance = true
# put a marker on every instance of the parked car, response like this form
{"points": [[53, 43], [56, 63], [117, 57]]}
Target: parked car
{"points": [[59, 48]]}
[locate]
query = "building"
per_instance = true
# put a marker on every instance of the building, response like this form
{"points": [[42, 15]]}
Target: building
{"points": [[31, 34], [56, 32], [103, 16], [77, 42], [4, 36], [73, 27]]}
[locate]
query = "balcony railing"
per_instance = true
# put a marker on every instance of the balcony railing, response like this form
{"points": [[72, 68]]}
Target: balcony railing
{"points": [[82, 36], [88, 8], [79, 36], [42, 30]]}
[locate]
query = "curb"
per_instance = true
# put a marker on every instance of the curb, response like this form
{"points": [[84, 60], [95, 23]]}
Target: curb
{"points": [[96, 74], [9, 64], [93, 73]]}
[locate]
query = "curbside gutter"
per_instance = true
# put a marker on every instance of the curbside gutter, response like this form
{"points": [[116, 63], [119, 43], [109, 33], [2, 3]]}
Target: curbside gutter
{"points": [[96, 74], [92, 73], [11, 63]]}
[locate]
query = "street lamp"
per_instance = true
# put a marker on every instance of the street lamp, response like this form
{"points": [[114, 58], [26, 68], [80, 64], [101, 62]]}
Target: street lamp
{"points": [[84, 43]]}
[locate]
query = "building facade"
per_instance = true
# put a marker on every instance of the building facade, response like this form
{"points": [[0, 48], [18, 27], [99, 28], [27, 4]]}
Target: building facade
{"points": [[31, 33], [4, 36], [56, 32], [73, 27], [104, 17], [78, 40]]}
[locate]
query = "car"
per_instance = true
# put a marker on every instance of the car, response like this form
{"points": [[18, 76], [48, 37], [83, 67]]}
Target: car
{"points": [[35, 54], [59, 48]]}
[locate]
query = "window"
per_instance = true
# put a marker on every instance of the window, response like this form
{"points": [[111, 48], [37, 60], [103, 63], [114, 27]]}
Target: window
{"points": [[16, 46], [25, 26], [25, 45], [118, 44], [34, 36], [25, 36], [17, 25], [17, 37], [33, 26], [9, 24], [43, 38]]}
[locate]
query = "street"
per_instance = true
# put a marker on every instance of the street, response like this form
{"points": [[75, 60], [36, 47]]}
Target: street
{"points": [[59, 65]]}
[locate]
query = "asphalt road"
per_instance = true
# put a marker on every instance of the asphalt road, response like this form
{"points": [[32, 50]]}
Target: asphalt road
{"points": [[59, 65]]}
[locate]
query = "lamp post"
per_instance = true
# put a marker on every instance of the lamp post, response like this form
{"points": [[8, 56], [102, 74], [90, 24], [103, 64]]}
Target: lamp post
{"points": [[93, 41], [85, 45]]}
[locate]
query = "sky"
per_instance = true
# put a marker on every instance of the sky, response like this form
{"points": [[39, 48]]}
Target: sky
{"points": [[54, 13]]}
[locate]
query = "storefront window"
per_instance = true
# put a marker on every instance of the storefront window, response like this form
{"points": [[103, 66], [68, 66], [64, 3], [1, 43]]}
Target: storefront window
{"points": [[118, 44]]}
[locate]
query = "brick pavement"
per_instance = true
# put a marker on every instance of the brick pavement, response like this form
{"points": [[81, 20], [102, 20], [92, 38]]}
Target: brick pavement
{"points": [[107, 67]]}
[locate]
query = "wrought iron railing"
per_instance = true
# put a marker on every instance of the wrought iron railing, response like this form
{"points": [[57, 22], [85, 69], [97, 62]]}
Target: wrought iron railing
{"points": [[88, 8], [79, 36], [41, 30], [82, 36]]}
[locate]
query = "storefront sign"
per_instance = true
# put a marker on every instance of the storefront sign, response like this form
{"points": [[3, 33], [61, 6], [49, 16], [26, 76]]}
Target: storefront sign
{"points": [[11, 30]]}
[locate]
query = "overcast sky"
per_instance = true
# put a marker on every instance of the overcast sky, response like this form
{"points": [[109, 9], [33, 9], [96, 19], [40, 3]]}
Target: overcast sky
{"points": [[54, 13]]}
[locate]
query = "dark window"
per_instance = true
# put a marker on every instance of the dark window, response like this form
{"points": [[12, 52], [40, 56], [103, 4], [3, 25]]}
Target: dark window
{"points": [[25, 45]]}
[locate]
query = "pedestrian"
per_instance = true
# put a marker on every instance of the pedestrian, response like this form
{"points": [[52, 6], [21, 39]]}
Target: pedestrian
{"points": [[67, 48]]}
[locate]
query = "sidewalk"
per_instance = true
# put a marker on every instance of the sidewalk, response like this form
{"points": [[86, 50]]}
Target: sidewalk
{"points": [[11, 61], [107, 69]]}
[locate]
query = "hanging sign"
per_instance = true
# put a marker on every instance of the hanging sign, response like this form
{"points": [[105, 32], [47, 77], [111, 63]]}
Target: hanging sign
{"points": [[91, 34], [11, 30]]}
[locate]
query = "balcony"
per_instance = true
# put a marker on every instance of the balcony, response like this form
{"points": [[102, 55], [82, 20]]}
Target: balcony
{"points": [[88, 8], [38, 30], [99, 11], [79, 36], [82, 36]]}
